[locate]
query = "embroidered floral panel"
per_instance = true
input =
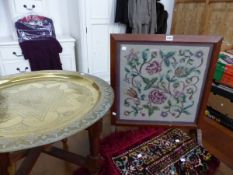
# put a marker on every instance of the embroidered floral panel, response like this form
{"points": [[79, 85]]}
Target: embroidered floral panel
{"points": [[161, 82]]}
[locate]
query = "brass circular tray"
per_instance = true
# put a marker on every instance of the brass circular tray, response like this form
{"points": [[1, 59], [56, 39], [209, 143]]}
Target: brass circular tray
{"points": [[42, 107]]}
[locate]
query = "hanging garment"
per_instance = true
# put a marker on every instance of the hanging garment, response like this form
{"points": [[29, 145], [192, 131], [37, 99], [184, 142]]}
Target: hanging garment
{"points": [[121, 15], [162, 16], [34, 27], [142, 16], [42, 54], [38, 42]]}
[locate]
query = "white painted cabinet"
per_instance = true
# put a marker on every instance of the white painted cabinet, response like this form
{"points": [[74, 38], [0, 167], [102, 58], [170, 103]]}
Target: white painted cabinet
{"points": [[12, 60], [89, 22], [96, 24], [21, 7]]}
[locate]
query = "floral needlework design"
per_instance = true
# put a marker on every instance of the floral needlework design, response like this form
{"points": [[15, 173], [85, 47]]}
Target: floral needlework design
{"points": [[163, 82]]}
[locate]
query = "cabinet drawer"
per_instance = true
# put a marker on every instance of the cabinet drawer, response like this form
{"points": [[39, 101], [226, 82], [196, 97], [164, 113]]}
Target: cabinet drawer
{"points": [[68, 63], [25, 6], [11, 53], [15, 67], [67, 49], [14, 52]]}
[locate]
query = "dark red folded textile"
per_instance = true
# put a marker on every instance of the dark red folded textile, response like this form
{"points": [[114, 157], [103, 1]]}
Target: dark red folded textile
{"points": [[42, 54]]}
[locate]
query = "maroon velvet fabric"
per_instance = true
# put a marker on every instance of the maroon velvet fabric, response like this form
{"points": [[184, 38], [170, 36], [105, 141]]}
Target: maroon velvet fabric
{"points": [[42, 54], [118, 143]]}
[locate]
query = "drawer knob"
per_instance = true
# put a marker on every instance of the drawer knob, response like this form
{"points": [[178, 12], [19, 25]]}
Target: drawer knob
{"points": [[26, 7], [14, 53], [25, 69]]}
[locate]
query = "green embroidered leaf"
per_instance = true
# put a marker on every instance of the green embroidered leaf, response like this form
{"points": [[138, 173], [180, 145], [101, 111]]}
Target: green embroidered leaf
{"points": [[145, 80], [197, 71], [143, 97], [161, 78], [137, 62], [161, 53], [190, 62], [176, 85], [163, 84], [150, 112], [189, 106], [182, 60], [127, 70], [134, 62], [134, 74], [155, 108], [186, 112], [189, 71], [177, 100], [126, 103], [131, 64], [146, 106], [167, 62], [166, 107], [135, 109], [150, 83], [151, 109], [177, 110], [145, 55], [173, 80], [154, 54], [168, 78], [181, 52], [139, 89], [189, 80], [170, 54], [183, 99], [169, 102]]}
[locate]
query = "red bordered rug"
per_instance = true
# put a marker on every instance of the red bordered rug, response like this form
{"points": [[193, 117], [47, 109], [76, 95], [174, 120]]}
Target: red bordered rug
{"points": [[155, 151]]}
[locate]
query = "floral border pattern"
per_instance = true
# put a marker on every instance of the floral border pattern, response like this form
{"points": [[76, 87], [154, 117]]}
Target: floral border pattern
{"points": [[162, 82]]}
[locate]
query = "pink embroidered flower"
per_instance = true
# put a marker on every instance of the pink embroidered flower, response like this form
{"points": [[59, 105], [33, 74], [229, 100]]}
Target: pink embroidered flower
{"points": [[153, 67], [157, 97]]}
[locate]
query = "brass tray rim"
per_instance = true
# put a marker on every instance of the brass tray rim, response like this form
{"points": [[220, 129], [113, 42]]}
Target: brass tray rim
{"points": [[99, 110]]}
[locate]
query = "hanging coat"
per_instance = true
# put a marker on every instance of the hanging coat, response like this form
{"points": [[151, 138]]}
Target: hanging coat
{"points": [[121, 15], [142, 16]]}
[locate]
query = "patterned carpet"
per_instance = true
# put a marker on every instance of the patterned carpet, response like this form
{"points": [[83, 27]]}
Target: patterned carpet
{"points": [[155, 151]]}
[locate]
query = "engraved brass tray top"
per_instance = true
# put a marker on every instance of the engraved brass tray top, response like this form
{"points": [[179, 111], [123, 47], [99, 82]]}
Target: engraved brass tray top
{"points": [[42, 107]]}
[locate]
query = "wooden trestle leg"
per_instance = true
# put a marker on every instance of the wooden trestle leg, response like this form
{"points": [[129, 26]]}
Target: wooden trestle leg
{"points": [[94, 159], [4, 163]]}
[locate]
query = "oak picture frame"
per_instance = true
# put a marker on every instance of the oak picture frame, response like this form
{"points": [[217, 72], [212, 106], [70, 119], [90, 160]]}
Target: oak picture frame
{"points": [[151, 74]]}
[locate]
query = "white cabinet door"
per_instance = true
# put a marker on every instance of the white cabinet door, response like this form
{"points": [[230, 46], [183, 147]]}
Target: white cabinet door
{"points": [[100, 23]]}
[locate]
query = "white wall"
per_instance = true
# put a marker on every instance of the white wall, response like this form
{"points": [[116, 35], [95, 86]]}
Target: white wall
{"points": [[5, 20], [58, 12], [169, 5]]}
